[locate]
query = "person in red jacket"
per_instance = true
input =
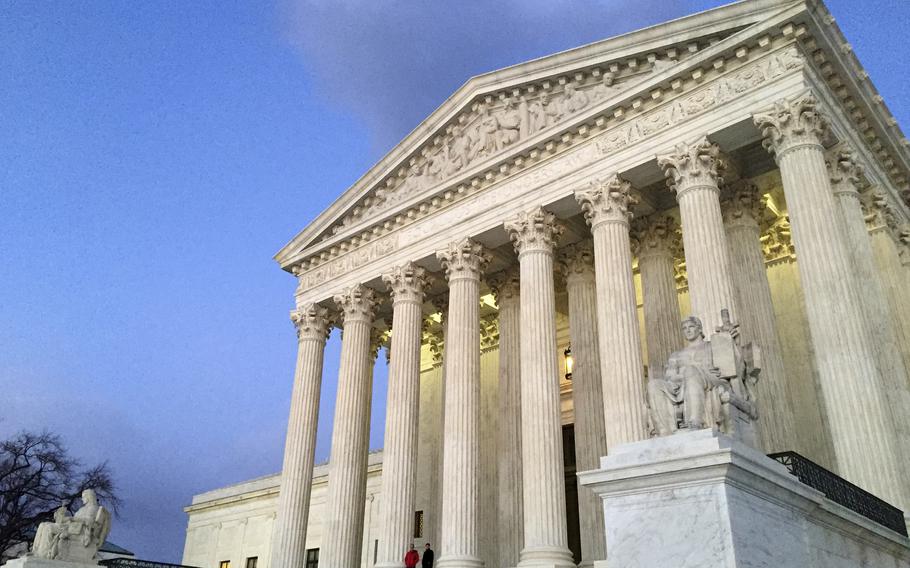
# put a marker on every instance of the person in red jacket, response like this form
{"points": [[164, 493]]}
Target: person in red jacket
{"points": [[411, 558]]}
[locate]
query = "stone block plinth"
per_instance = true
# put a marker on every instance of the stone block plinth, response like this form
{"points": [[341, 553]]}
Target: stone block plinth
{"points": [[702, 500]]}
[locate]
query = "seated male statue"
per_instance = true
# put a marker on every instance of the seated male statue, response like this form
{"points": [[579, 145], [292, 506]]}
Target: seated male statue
{"points": [[695, 393], [75, 538]]}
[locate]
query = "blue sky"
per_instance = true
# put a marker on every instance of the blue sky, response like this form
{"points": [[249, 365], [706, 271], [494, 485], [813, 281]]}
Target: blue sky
{"points": [[154, 156]]}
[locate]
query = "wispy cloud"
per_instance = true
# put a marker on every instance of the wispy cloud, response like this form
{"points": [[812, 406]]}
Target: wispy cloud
{"points": [[392, 63]]}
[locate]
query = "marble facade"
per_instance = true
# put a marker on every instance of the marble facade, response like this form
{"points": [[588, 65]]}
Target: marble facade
{"points": [[595, 197]]}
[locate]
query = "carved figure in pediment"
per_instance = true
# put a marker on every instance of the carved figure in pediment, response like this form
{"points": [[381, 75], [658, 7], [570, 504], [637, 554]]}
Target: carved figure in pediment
{"points": [[509, 121], [417, 179], [606, 88], [436, 165], [573, 100], [542, 113], [455, 155], [484, 140]]}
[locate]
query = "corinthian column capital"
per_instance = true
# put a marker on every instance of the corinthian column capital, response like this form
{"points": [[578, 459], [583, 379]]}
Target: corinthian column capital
{"points": [[357, 303], [577, 261], [790, 124], [844, 172], [607, 201], [656, 235], [693, 165], [505, 285], [903, 238], [464, 259], [880, 210], [534, 230], [380, 336], [746, 207], [313, 322], [406, 283]]}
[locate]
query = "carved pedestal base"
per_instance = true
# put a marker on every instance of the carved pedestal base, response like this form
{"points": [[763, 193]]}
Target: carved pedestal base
{"points": [[703, 500], [32, 562]]}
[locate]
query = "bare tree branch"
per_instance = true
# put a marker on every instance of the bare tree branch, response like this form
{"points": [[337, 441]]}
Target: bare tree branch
{"points": [[37, 475]]}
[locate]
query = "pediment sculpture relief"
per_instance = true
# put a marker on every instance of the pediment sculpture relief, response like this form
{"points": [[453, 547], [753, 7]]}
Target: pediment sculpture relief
{"points": [[490, 129]]}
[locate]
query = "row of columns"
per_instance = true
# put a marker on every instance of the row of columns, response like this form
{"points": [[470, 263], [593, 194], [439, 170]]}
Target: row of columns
{"points": [[860, 366]]}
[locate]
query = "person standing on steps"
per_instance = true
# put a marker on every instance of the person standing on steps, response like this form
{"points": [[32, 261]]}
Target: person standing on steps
{"points": [[427, 560], [411, 558]]}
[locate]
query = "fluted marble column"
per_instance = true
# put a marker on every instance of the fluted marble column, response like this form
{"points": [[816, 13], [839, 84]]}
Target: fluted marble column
{"points": [[506, 290], [399, 461], [587, 393], [742, 214], [289, 542], [884, 234], [534, 233], [344, 508], [693, 171], [606, 208], [845, 175], [441, 303], [463, 262], [850, 384], [656, 242]]}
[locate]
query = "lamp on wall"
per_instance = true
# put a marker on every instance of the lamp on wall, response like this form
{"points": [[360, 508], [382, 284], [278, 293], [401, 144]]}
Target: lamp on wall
{"points": [[570, 362]]}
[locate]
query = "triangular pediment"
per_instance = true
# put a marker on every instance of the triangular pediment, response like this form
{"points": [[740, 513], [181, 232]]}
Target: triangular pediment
{"points": [[493, 112], [501, 113]]}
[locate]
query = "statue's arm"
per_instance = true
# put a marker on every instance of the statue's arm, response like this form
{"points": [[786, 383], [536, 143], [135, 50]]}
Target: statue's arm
{"points": [[673, 369]]}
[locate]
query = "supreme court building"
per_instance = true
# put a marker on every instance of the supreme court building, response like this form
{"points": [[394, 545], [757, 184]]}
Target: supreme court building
{"points": [[573, 209]]}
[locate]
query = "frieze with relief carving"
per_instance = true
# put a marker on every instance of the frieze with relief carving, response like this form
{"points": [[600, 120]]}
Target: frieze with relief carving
{"points": [[347, 262], [721, 91]]}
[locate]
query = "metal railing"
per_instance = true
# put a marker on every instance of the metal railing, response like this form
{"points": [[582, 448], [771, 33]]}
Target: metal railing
{"points": [[136, 563], [843, 492]]}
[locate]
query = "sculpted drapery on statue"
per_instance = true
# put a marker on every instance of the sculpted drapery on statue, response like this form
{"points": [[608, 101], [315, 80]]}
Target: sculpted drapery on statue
{"points": [[76, 538], [707, 384]]}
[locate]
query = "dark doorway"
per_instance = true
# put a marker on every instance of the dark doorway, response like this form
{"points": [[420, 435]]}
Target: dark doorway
{"points": [[572, 522]]}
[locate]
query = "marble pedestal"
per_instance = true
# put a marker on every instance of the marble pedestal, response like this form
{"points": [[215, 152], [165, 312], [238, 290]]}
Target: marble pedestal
{"points": [[32, 562], [703, 500]]}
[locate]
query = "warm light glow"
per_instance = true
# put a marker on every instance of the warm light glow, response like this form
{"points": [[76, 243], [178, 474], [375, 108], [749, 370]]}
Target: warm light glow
{"points": [[771, 205], [570, 362], [489, 300]]}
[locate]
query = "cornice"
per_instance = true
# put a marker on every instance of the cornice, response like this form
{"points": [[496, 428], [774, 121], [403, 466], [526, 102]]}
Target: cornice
{"points": [[832, 56], [698, 33]]}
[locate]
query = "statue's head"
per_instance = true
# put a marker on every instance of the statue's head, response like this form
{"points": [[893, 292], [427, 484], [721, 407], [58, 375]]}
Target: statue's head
{"points": [[692, 328], [609, 77], [570, 89], [89, 497]]}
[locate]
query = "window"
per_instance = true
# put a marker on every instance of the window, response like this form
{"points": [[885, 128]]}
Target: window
{"points": [[312, 558], [252, 561], [418, 524], [224, 564]]}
